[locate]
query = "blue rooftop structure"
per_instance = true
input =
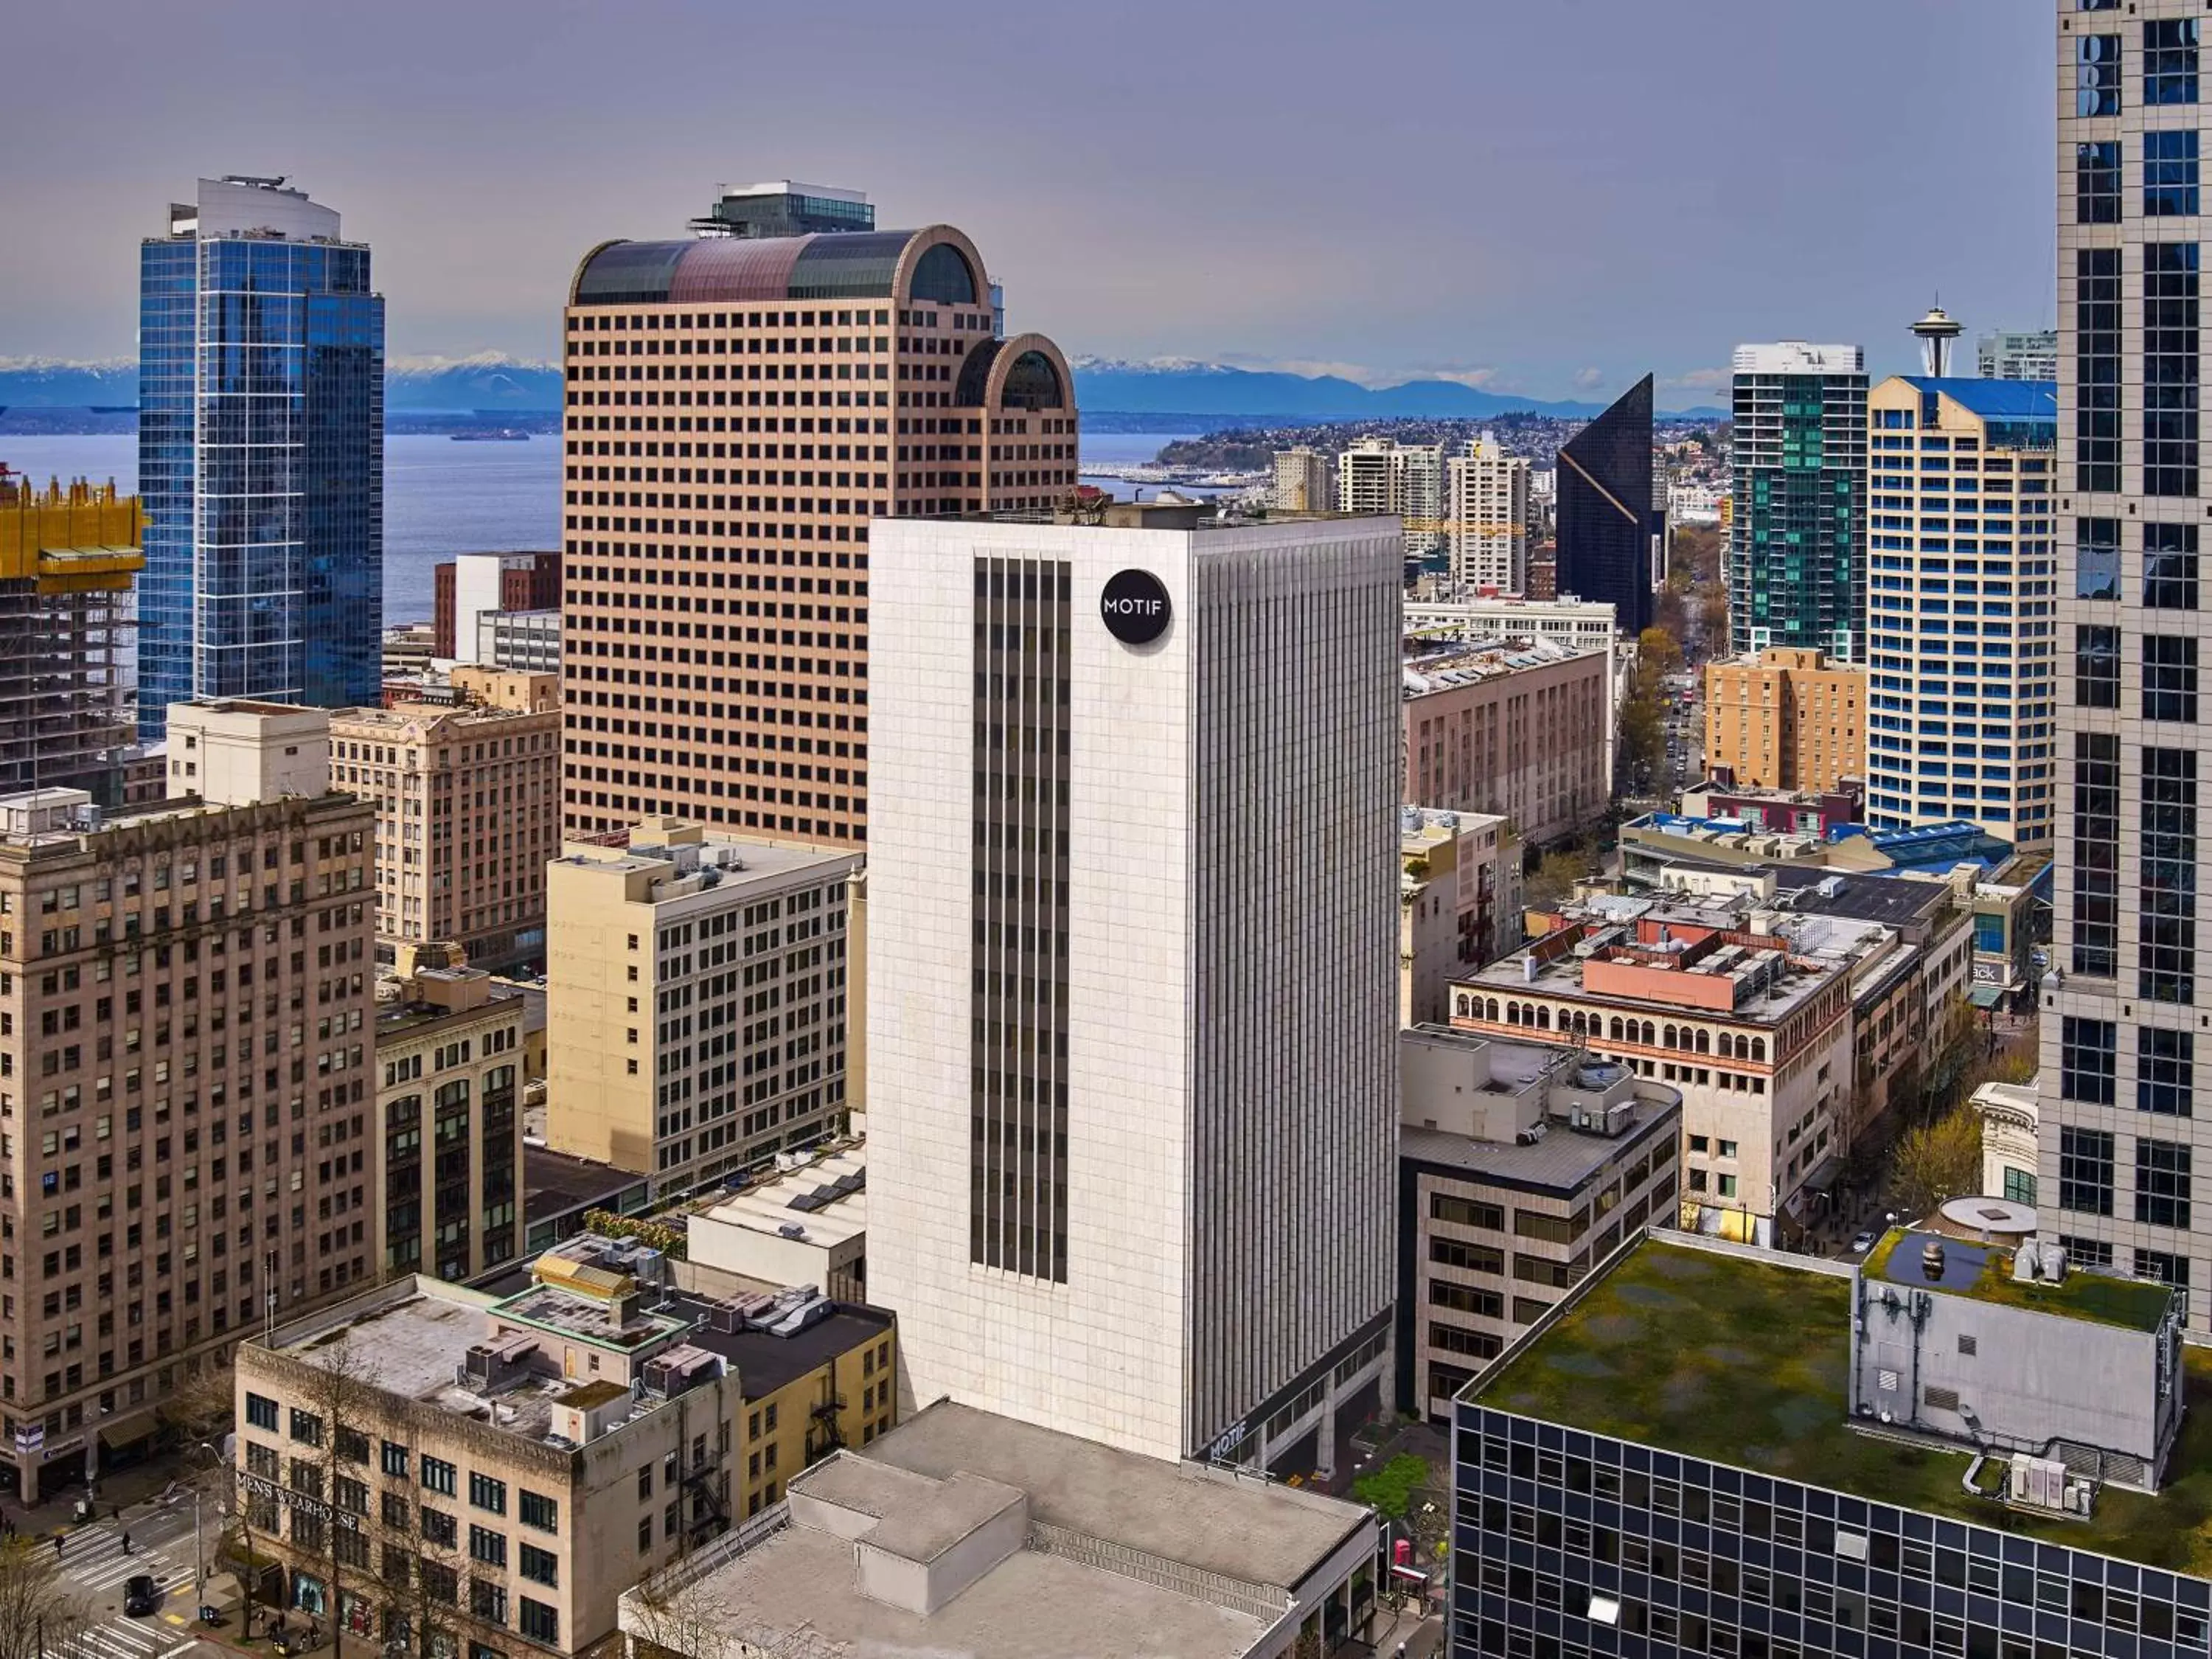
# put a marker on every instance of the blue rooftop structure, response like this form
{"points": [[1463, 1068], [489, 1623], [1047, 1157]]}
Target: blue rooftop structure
{"points": [[1994, 400], [1938, 846]]}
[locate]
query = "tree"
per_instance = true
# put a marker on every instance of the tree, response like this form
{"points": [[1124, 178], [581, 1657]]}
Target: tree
{"points": [[1388, 1490], [1937, 1160], [670, 1617], [41, 1613], [1552, 883], [1658, 652]]}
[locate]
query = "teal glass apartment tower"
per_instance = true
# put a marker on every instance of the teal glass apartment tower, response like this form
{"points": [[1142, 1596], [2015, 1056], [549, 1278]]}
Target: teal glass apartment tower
{"points": [[1797, 546], [260, 455]]}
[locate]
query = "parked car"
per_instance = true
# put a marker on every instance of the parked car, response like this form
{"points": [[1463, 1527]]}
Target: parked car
{"points": [[140, 1594], [1863, 1243]]}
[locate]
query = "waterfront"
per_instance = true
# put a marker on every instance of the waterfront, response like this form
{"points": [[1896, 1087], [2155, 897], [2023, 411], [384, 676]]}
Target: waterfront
{"points": [[441, 498]]}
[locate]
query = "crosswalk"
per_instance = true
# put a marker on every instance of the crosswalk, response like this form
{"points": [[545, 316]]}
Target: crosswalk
{"points": [[93, 1557], [93, 1562], [134, 1638]]}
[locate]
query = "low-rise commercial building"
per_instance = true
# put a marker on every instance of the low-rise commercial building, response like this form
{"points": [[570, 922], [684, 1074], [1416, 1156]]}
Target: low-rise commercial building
{"points": [[559, 1190], [964, 1532], [807, 1224], [1787, 717], [468, 816], [1522, 1164], [452, 1471], [1942, 1449], [527, 641], [1577, 624], [1523, 731], [1745, 1007], [695, 1000], [185, 1066], [1459, 903], [1783, 811], [449, 1050]]}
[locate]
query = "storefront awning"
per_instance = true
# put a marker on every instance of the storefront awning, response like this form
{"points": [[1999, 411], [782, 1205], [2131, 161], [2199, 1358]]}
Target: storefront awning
{"points": [[129, 1429], [1823, 1178], [1986, 996]]}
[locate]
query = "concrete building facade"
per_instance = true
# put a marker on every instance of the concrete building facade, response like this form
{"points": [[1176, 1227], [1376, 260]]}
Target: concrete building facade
{"points": [[695, 1002], [1787, 720], [183, 1000], [237, 752], [1525, 731], [1122, 1078], [1459, 903], [468, 592], [1305, 481], [467, 802], [1383, 476], [1579, 624], [1487, 503], [716, 526]]}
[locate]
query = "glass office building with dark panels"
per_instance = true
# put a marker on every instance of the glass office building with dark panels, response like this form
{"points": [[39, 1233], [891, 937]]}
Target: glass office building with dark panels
{"points": [[261, 455], [1797, 543], [1670, 1466], [1605, 512]]}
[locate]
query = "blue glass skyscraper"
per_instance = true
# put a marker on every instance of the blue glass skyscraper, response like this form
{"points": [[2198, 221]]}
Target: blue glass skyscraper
{"points": [[260, 455]]}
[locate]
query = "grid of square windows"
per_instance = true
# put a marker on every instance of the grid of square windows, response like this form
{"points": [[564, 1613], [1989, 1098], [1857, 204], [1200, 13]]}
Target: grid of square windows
{"points": [[2162, 1177], [2167, 944], [2165, 1070], [2084, 1170]]}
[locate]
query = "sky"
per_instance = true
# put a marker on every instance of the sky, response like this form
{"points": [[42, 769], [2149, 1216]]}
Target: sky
{"points": [[1545, 198]]}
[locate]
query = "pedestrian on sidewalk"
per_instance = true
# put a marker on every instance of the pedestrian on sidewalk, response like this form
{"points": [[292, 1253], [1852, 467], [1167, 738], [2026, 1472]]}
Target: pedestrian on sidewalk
{"points": [[126, 1541]]}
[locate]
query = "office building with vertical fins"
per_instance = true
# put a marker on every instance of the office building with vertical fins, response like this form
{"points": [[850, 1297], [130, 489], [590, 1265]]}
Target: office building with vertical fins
{"points": [[1605, 542], [2125, 1005], [260, 455], [741, 406], [1132, 998], [1796, 554]]}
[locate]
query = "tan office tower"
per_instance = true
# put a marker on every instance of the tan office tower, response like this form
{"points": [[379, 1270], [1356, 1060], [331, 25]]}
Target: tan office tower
{"points": [[740, 408], [185, 1062]]}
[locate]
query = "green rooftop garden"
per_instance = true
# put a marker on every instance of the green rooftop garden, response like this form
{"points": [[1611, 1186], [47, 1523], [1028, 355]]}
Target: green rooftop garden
{"points": [[1747, 1362], [2101, 1298]]}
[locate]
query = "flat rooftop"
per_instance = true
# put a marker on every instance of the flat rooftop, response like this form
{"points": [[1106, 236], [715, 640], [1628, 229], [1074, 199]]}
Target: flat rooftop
{"points": [[1563, 1160], [554, 1183], [1747, 1362], [829, 1198], [1983, 1273], [938, 1474]]}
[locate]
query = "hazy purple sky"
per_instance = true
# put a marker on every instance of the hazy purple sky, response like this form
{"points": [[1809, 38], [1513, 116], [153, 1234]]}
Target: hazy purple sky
{"points": [[1547, 197]]}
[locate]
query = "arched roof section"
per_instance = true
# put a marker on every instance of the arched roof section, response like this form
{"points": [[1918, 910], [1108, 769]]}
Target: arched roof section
{"points": [[1027, 372], [925, 275]]}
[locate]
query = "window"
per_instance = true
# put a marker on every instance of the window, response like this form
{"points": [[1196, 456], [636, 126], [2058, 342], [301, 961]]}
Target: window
{"points": [[1989, 934], [352, 1445], [488, 1601], [539, 1622], [439, 1528], [2170, 368], [2169, 566], [395, 1459], [539, 1511], [2170, 62], [2165, 1269], [486, 1493], [2088, 1060], [2165, 1071], [2097, 558], [2161, 1182], [2166, 924], [1726, 1186], [2097, 667], [1467, 1299], [2097, 183], [1468, 1258], [307, 1427], [261, 1413], [439, 1476], [541, 1567], [2097, 75], [2170, 173], [2019, 1185], [2084, 1170], [2096, 853], [1467, 1213], [2097, 368], [645, 1482], [2169, 677], [487, 1546]]}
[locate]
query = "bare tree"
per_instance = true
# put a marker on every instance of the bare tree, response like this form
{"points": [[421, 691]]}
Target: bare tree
{"points": [[672, 1618], [39, 1612]]}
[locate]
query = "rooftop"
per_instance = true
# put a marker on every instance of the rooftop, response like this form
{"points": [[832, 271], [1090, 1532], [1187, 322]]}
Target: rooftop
{"points": [[826, 1197], [1747, 1362], [555, 1182], [1994, 400], [1428, 671], [1984, 1274]]}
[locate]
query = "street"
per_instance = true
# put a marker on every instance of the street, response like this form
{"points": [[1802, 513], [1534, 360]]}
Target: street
{"points": [[94, 1562]]}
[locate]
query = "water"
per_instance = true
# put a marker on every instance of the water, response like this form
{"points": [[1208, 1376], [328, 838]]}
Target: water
{"points": [[441, 498]]}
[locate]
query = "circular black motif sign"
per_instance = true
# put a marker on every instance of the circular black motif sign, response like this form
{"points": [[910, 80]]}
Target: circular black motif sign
{"points": [[1134, 607]]}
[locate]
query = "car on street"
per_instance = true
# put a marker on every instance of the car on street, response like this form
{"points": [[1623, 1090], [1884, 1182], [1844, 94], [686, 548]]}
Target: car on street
{"points": [[140, 1594], [1863, 1243]]}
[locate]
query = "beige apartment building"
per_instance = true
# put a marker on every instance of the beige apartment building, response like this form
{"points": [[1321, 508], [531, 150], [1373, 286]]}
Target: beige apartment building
{"points": [[1305, 481], [449, 1050], [1487, 505], [1523, 731], [467, 814], [442, 1470], [740, 408], [1459, 903], [1522, 1164], [239, 752], [695, 1002], [186, 1082], [1786, 719]]}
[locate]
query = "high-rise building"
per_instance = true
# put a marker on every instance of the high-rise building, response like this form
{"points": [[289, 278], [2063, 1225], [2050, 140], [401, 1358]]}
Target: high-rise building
{"points": [[1305, 481], [1381, 475], [467, 817], [1959, 670], [1115, 1013], [68, 559], [1488, 510], [2018, 354], [260, 454], [2125, 1006], [694, 1002], [740, 409], [1786, 719], [476, 586], [1605, 510], [1797, 548], [186, 993]]}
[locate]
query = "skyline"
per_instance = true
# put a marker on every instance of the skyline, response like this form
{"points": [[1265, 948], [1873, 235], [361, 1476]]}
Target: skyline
{"points": [[1766, 201]]}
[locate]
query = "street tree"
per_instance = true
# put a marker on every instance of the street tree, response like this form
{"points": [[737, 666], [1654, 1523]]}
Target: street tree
{"points": [[40, 1612], [1937, 1160]]}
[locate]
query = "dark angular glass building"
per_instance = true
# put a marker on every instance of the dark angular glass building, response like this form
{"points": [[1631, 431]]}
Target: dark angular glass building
{"points": [[1605, 510], [260, 455], [1710, 1449]]}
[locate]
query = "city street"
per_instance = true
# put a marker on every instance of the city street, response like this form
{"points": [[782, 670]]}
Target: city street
{"points": [[93, 1562]]}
